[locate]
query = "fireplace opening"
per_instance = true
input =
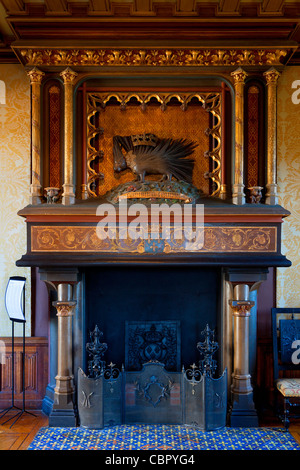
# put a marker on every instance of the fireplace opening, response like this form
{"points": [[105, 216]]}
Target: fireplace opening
{"points": [[180, 300]]}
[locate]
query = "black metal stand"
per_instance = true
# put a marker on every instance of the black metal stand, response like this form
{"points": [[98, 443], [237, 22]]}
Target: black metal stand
{"points": [[13, 407]]}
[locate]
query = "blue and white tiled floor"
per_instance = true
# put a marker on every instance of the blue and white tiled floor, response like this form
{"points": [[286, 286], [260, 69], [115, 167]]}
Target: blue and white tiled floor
{"points": [[163, 437]]}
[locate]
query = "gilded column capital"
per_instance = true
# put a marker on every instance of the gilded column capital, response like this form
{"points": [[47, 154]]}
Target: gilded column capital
{"points": [[35, 75], [239, 75], [241, 308], [68, 75], [272, 75], [64, 309]]}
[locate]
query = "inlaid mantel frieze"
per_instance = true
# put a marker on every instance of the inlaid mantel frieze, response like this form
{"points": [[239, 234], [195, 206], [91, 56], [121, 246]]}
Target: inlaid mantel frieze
{"points": [[78, 239]]}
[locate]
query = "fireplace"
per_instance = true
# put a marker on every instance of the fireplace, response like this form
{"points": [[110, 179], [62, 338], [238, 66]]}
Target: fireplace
{"points": [[117, 288], [104, 104]]}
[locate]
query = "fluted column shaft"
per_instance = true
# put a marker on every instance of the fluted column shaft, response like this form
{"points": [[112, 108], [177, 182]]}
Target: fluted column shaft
{"points": [[238, 196], [36, 77], [68, 196], [271, 76]]}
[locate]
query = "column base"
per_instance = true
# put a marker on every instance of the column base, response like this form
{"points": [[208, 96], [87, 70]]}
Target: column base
{"points": [[63, 413], [68, 196], [35, 195], [242, 413], [238, 196], [271, 195], [61, 418], [68, 200]]}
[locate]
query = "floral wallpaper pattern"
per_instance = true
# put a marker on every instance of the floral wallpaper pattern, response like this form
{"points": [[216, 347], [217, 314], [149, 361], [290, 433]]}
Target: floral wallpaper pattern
{"points": [[288, 171], [14, 184]]}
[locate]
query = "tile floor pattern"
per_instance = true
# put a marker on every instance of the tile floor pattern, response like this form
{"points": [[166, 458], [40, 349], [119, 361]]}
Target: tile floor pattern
{"points": [[162, 437]]}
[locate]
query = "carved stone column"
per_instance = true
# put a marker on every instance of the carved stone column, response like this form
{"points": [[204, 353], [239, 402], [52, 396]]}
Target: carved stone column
{"points": [[36, 77], [272, 76], [238, 196], [68, 196], [63, 407], [242, 408]]}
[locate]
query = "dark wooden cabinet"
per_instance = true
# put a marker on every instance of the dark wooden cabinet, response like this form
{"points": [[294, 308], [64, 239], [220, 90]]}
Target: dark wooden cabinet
{"points": [[36, 371]]}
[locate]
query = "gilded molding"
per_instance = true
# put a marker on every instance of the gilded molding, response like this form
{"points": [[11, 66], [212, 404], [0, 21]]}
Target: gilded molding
{"points": [[151, 57], [211, 102]]}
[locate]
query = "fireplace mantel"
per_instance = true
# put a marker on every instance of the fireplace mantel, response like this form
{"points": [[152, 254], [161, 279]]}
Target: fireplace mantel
{"points": [[237, 236]]}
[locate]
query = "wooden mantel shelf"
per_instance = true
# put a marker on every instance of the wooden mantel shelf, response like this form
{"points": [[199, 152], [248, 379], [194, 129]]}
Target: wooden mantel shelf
{"points": [[234, 235]]}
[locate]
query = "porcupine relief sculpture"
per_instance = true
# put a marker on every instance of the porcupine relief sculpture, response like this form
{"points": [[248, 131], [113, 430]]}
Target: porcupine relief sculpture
{"points": [[147, 154]]}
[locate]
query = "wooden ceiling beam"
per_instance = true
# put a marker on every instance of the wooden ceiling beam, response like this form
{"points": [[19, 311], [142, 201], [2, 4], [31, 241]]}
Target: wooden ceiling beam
{"points": [[57, 7], [272, 6], [13, 7], [229, 7]]}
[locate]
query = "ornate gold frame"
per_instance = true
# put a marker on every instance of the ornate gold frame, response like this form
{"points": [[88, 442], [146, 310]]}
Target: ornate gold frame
{"points": [[211, 101]]}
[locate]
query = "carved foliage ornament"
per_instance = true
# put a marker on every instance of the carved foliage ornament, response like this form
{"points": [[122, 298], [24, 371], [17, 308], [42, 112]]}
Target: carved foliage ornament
{"points": [[272, 76], [35, 75], [151, 57]]}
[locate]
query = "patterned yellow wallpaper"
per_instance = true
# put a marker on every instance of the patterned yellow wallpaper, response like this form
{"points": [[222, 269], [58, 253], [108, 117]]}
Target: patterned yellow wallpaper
{"points": [[14, 183], [288, 141]]}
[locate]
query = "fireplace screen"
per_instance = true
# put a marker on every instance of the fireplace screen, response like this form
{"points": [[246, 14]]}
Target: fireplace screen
{"points": [[152, 394]]}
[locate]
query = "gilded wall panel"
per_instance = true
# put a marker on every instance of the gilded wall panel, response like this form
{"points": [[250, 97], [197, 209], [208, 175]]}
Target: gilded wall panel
{"points": [[288, 142], [14, 183]]}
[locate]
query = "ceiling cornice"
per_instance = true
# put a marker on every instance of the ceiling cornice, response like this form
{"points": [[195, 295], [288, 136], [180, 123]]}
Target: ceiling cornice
{"points": [[173, 23]]}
